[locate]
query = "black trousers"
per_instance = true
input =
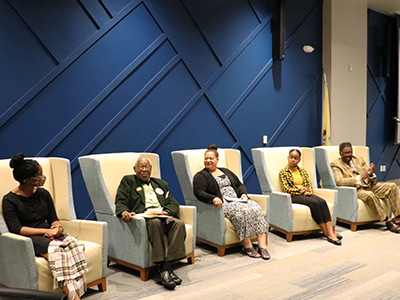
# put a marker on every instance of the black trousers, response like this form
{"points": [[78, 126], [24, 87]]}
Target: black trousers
{"points": [[319, 209], [167, 237]]}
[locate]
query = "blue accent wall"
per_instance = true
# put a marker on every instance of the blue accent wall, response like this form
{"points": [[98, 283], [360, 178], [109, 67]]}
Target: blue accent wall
{"points": [[382, 97], [85, 76]]}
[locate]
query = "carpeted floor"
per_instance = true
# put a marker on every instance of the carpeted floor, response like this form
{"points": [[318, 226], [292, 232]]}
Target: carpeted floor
{"points": [[366, 266]]}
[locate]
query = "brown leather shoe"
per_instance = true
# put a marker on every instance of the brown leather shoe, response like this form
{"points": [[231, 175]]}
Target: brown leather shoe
{"points": [[392, 227]]}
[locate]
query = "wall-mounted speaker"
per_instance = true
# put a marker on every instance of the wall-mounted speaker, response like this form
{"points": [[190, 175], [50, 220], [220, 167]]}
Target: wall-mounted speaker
{"points": [[386, 51], [279, 30]]}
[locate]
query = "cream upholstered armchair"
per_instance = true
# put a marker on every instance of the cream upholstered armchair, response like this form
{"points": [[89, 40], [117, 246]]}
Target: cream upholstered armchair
{"points": [[128, 242], [212, 227], [349, 210], [285, 216], [18, 264]]}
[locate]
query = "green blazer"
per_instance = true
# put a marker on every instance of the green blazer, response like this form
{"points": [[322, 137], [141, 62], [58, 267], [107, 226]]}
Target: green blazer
{"points": [[130, 196]]}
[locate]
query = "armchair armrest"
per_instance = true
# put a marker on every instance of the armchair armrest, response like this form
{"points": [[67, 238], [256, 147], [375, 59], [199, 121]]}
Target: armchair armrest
{"points": [[187, 214], [210, 222], [92, 231], [86, 230], [280, 211], [328, 195], [132, 236], [260, 199], [347, 206], [17, 254], [331, 197]]}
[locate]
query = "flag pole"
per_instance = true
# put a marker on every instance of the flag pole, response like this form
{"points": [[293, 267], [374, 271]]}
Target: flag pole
{"points": [[326, 120]]}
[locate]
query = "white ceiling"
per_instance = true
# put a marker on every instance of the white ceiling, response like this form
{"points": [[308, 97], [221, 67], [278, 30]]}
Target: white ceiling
{"points": [[389, 7]]}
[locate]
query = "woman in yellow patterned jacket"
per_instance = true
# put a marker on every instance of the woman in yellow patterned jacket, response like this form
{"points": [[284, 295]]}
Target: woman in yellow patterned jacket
{"points": [[294, 180]]}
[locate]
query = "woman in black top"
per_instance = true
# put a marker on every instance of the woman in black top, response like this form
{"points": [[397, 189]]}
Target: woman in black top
{"points": [[216, 186], [29, 209]]}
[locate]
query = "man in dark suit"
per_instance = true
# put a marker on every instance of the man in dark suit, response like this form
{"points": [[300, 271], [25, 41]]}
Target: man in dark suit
{"points": [[136, 194]]}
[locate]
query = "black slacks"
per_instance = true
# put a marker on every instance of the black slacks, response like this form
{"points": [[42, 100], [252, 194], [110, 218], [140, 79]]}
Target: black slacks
{"points": [[319, 209]]}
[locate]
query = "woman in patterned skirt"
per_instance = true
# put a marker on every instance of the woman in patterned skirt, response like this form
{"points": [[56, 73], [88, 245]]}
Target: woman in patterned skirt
{"points": [[216, 186]]}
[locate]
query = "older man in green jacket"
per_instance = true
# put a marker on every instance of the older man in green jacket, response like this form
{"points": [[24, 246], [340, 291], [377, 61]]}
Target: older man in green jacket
{"points": [[136, 194]]}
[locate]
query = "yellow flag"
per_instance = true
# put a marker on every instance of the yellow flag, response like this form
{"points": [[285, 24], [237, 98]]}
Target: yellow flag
{"points": [[326, 120]]}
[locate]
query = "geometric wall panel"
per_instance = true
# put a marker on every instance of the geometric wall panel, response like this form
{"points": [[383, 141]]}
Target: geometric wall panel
{"points": [[56, 24], [212, 18], [201, 126], [382, 97], [156, 76]]}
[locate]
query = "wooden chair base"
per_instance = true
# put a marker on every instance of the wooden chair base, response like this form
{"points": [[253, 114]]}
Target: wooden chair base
{"points": [[145, 272], [221, 248], [101, 284], [353, 225], [190, 258], [289, 235]]}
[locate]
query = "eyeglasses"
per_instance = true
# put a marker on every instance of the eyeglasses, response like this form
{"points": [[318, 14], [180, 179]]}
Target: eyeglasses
{"points": [[144, 167], [347, 152]]}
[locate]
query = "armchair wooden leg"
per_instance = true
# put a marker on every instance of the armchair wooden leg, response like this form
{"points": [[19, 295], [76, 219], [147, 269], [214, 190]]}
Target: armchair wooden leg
{"points": [[101, 284], [289, 237], [144, 274], [353, 227], [190, 258], [221, 251]]}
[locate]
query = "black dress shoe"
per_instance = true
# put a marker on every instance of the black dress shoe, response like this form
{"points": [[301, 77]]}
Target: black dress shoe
{"points": [[335, 242], [175, 278], [392, 227], [166, 280], [338, 235]]}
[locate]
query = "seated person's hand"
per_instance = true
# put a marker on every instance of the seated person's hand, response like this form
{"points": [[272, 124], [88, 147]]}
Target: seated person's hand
{"points": [[307, 194], [217, 202], [303, 190], [164, 212], [371, 169], [52, 232], [364, 175], [59, 229], [369, 172], [127, 216], [244, 196]]}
